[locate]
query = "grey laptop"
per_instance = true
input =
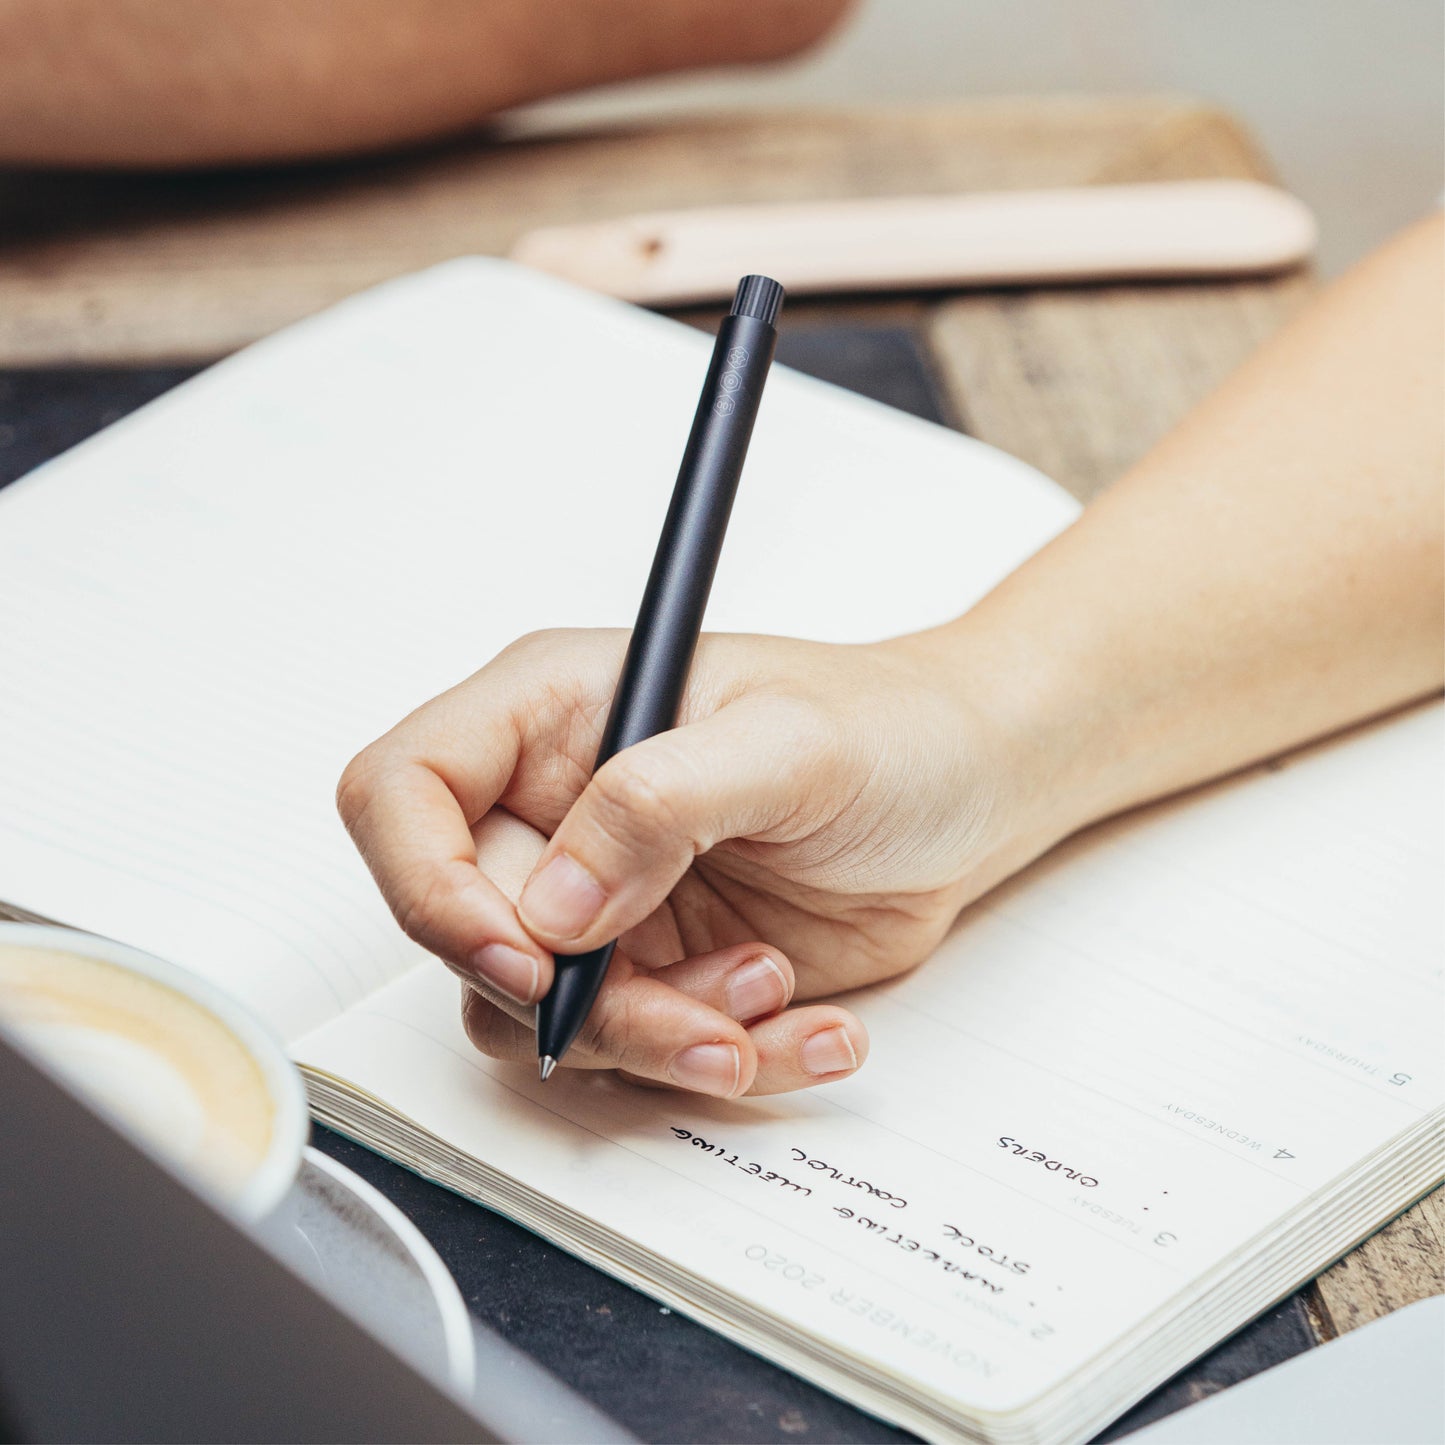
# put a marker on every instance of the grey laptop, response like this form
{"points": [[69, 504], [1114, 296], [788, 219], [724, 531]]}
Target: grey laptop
{"points": [[131, 1309]]}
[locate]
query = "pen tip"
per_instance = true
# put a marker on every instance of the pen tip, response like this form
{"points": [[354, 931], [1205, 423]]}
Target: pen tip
{"points": [[545, 1065]]}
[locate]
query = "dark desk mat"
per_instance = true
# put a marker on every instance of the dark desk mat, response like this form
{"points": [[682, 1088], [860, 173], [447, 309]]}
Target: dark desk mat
{"points": [[45, 411], [664, 1377]]}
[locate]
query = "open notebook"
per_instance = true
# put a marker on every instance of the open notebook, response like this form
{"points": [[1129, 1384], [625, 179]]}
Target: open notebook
{"points": [[1141, 1092]]}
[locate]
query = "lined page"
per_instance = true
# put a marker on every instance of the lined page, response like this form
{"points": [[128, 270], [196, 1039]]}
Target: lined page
{"points": [[1117, 1071], [208, 608]]}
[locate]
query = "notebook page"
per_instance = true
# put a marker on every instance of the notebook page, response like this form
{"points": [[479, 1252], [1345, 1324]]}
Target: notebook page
{"points": [[1117, 1071], [208, 608]]}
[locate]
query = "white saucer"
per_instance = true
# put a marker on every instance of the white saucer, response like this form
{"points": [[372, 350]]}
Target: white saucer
{"points": [[367, 1256]]}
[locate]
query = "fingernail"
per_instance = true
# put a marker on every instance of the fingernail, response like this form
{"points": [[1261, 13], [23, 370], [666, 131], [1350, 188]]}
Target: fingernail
{"points": [[708, 1068], [562, 899], [509, 969], [829, 1052], [754, 989]]}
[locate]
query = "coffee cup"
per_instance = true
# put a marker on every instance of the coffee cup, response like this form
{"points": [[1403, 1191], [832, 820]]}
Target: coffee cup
{"points": [[171, 1059]]}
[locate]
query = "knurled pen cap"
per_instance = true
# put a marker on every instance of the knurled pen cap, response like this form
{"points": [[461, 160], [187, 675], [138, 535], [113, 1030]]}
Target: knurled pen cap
{"points": [[760, 297]]}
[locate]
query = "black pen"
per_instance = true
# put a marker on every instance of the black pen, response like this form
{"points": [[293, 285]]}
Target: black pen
{"points": [[670, 618]]}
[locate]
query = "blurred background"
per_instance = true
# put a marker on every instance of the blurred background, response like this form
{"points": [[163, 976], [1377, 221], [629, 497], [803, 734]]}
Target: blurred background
{"points": [[1347, 97]]}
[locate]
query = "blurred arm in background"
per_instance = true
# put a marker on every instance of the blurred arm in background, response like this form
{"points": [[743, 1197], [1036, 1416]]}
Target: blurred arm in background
{"points": [[198, 82]]}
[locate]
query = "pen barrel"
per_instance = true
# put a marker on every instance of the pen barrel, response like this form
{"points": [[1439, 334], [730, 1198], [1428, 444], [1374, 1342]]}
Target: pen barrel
{"points": [[654, 674]]}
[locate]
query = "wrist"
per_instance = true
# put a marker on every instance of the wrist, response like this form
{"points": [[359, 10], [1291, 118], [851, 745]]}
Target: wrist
{"points": [[1030, 727]]}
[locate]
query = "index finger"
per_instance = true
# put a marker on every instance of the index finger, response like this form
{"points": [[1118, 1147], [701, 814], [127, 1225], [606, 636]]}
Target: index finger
{"points": [[407, 801]]}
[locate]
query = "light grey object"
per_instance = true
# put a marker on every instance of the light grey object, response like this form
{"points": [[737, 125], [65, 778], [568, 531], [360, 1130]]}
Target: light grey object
{"points": [[368, 1257], [133, 1309], [1382, 1384], [361, 1250]]}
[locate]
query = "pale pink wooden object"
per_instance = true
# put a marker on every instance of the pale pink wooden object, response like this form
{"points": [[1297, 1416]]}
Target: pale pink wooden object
{"points": [[1086, 233]]}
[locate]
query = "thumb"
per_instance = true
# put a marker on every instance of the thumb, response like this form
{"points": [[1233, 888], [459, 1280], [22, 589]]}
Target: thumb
{"points": [[649, 811]]}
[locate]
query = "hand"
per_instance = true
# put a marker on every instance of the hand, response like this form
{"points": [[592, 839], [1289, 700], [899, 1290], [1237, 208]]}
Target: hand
{"points": [[813, 824], [822, 813]]}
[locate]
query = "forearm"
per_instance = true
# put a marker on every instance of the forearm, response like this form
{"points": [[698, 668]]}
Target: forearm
{"points": [[183, 82], [1268, 574]]}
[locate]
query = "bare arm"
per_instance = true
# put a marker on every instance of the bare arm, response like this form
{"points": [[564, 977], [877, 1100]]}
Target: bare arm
{"points": [[1270, 573], [186, 82]]}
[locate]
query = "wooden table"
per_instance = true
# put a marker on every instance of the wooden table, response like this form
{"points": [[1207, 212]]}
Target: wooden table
{"points": [[144, 273]]}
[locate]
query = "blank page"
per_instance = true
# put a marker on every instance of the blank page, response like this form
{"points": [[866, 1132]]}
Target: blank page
{"points": [[208, 608]]}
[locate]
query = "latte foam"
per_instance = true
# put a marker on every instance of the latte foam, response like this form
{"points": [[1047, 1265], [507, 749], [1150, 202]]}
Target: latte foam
{"points": [[166, 1067]]}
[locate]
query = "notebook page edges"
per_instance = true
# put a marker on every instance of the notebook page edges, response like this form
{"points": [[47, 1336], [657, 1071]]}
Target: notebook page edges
{"points": [[209, 607], [1142, 1058]]}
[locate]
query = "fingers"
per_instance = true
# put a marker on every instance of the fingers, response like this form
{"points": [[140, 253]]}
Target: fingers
{"points": [[816, 1044], [637, 1024], [415, 839], [796, 1049], [647, 813], [716, 1024], [409, 798]]}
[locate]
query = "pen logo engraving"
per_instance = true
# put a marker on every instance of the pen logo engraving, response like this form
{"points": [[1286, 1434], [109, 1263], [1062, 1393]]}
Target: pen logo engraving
{"points": [[730, 381]]}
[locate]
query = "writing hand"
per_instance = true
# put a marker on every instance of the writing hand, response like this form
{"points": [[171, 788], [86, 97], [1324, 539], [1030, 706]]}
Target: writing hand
{"points": [[1269, 573], [812, 825]]}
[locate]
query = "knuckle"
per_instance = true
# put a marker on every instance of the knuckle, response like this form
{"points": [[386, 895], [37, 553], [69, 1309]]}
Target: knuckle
{"points": [[491, 1031], [355, 786], [422, 901], [890, 964], [804, 731], [895, 968], [611, 1033], [632, 797], [530, 642], [547, 642]]}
